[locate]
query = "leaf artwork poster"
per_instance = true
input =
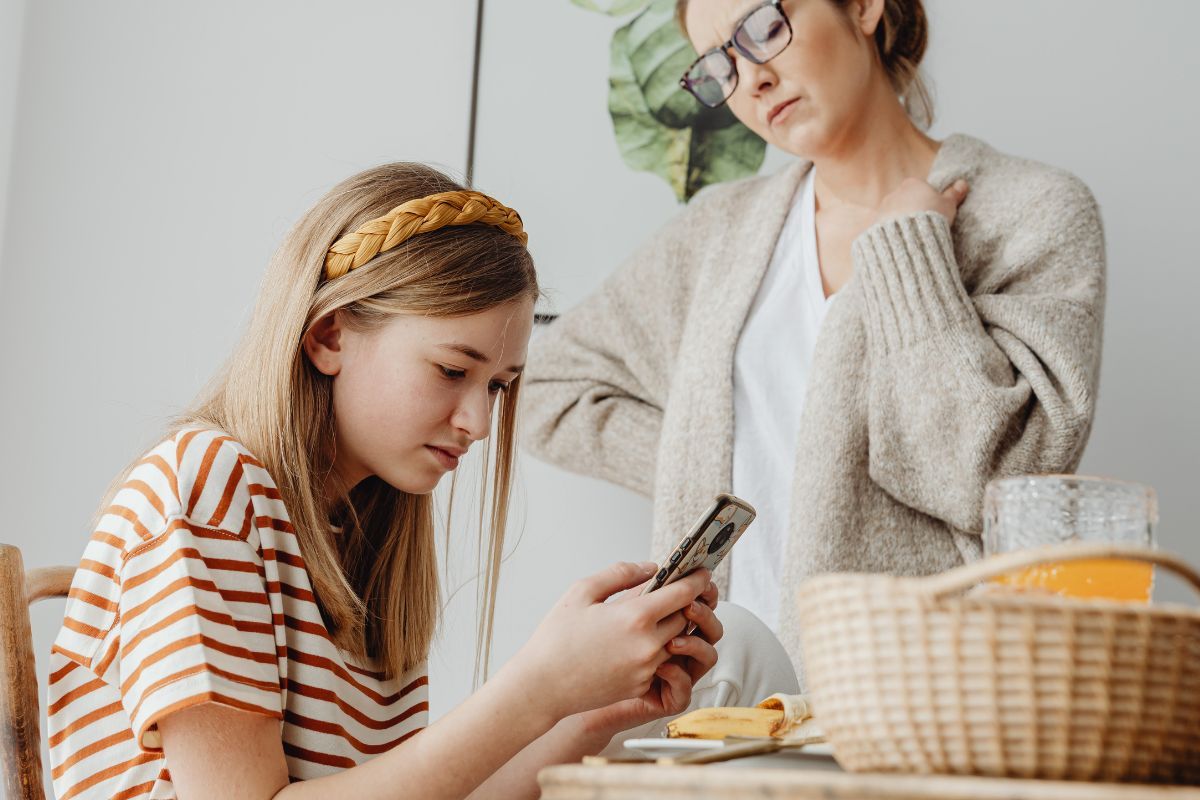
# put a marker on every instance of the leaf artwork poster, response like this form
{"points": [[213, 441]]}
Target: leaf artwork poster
{"points": [[659, 127]]}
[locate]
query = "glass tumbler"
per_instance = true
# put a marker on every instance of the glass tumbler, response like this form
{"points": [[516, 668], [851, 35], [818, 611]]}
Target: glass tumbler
{"points": [[1036, 510]]}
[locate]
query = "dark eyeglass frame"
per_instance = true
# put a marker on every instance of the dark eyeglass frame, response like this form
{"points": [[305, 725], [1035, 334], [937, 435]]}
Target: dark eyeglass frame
{"points": [[723, 51]]}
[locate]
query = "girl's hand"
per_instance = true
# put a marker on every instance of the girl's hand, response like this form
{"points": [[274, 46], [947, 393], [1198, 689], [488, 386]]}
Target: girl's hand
{"points": [[671, 693], [588, 653], [914, 196]]}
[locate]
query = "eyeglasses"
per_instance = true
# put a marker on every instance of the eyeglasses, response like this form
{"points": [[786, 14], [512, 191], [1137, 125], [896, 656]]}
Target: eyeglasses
{"points": [[760, 36]]}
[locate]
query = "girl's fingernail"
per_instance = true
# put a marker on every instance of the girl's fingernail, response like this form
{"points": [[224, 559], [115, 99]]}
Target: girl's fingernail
{"points": [[694, 607], [677, 642]]}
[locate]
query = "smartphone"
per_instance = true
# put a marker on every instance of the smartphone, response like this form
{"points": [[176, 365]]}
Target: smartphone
{"points": [[713, 535]]}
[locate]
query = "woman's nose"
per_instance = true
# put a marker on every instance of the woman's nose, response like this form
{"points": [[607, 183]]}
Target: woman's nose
{"points": [[757, 78], [474, 415]]}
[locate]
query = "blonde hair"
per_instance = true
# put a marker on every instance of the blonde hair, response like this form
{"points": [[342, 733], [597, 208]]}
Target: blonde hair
{"points": [[376, 581], [900, 41]]}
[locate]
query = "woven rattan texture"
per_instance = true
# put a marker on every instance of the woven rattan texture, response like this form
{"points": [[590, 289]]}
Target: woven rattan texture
{"points": [[997, 684]]}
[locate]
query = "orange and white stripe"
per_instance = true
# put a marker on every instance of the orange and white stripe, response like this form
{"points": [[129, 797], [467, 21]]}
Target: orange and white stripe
{"points": [[191, 590]]}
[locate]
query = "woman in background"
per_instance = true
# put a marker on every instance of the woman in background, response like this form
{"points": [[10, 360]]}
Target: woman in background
{"points": [[857, 344]]}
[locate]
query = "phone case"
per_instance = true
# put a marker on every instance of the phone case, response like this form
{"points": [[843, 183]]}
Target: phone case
{"points": [[714, 534]]}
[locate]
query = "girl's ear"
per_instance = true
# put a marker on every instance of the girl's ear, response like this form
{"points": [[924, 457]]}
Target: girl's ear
{"points": [[323, 344], [868, 14]]}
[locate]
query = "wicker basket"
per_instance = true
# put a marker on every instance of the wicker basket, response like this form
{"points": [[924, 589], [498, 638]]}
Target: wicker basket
{"points": [[911, 675]]}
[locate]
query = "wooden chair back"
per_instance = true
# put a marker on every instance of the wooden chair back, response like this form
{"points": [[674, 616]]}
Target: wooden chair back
{"points": [[20, 748]]}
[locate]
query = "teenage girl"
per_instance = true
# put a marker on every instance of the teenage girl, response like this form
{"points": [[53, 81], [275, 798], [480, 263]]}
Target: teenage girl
{"points": [[254, 610]]}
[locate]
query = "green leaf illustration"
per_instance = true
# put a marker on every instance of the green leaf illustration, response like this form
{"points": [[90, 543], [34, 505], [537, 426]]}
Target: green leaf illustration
{"points": [[659, 127], [614, 8], [659, 54]]}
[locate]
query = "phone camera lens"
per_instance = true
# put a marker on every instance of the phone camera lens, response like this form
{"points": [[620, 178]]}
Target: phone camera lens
{"points": [[721, 538]]}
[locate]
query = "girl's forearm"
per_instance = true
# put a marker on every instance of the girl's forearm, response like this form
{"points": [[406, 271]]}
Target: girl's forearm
{"points": [[568, 741], [452, 757]]}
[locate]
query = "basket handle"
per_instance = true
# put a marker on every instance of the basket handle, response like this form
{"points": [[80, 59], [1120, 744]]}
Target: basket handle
{"points": [[962, 578]]}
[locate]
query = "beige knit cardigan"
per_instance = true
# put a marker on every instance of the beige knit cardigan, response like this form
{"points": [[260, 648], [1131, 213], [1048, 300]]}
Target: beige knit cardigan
{"points": [[954, 355]]}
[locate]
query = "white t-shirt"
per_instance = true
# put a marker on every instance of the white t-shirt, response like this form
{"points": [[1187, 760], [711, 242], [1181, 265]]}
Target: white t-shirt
{"points": [[771, 368]]}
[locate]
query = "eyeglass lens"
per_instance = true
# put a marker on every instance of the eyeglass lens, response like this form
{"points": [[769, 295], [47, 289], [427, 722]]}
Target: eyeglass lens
{"points": [[760, 37]]}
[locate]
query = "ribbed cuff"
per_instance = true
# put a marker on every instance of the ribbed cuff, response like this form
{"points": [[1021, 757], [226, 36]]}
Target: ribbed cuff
{"points": [[911, 282]]}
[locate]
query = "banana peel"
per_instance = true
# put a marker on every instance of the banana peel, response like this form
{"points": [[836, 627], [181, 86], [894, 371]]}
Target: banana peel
{"points": [[779, 716]]}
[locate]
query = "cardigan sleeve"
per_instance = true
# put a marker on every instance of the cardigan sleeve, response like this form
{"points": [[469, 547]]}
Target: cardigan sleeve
{"points": [[597, 378], [965, 388]]}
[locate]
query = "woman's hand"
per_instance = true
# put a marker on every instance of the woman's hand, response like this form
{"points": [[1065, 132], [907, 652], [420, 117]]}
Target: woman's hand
{"points": [[914, 196], [588, 653]]}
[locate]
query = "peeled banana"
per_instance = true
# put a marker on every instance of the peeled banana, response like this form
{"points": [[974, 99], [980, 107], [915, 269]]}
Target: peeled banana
{"points": [[721, 723], [776, 716]]}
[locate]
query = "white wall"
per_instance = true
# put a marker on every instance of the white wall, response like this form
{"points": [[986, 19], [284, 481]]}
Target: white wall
{"points": [[12, 21], [160, 152]]}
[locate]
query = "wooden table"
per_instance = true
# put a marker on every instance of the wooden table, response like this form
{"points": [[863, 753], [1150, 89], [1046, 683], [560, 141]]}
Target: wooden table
{"points": [[799, 781]]}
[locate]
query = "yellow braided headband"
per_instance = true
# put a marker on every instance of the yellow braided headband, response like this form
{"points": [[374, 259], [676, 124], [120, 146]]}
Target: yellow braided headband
{"points": [[418, 216]]}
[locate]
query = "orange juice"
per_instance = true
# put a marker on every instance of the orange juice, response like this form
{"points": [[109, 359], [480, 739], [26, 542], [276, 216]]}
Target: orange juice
{"points": [[1110, 578]]}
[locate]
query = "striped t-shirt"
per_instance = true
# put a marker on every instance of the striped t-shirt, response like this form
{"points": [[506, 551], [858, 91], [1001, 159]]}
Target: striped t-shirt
{"points": [[193, 589]]}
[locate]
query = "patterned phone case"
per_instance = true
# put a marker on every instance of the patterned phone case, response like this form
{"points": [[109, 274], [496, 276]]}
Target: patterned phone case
{"points": [[713, 536]]}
